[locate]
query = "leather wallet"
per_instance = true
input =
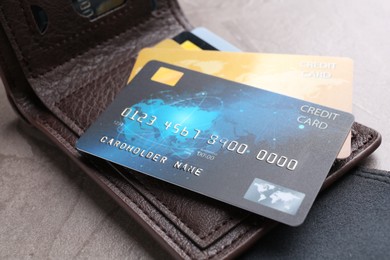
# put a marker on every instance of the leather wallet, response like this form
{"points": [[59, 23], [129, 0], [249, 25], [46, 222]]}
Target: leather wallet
{"points": [[59, 77]]}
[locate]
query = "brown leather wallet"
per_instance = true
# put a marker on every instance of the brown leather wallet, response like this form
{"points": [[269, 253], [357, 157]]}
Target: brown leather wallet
{"points": [[61, 79]]}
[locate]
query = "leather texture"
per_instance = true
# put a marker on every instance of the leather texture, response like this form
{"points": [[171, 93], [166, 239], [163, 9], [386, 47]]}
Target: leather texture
{"points": [[60, 81]]}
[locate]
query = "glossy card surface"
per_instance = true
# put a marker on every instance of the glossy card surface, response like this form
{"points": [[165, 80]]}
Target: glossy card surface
{"points": [[258, 150], [318, 79]]}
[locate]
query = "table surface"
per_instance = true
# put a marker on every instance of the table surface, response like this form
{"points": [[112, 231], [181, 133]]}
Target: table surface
{"points": [[49, 209]]}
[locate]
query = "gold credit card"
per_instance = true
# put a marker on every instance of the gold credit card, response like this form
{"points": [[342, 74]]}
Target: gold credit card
{"points": [[323, 80], [168, 44]]}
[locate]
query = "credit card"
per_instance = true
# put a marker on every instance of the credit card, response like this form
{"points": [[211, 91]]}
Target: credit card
{"points": [[215, 40], [168, 44], [96, 8], [205, 40], [323, 80], [190, 41], [254, 149]]}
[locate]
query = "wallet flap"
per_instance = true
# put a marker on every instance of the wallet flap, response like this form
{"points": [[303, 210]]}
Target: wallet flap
{"points": [[64, 66], [68, 33]]}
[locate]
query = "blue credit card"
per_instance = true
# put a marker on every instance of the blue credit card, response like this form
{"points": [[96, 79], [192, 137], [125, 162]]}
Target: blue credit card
{"points": [[258, 150]]}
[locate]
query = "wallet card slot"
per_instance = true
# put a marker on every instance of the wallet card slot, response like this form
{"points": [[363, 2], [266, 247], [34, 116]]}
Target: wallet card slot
{"points": [[191, 212], [67, 34], [55, 88]]}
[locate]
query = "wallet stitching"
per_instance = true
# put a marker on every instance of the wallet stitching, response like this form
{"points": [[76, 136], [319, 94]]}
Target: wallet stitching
{"points": [[185, 250], [14, 38], [56, 134], [79, 129], [114, 16], [77, 55], [91, 26], [74, 121], [69, 146], [26, 18], [103, 75], [203, 237], [189, 254], [230, 244], [32, 32], [218, 227], [149, 216]]}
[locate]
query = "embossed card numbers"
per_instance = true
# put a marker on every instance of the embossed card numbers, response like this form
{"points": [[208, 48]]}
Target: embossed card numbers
{"points": [[257, 150]]}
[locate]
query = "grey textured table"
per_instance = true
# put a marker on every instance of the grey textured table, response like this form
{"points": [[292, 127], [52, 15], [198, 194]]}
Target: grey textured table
{"points": [[49, 210]]}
